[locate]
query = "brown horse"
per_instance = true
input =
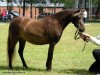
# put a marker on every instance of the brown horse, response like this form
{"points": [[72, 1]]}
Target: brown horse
{"points": [[47, 30]]}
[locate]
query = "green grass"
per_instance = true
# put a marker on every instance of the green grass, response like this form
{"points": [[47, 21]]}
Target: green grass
{"points": [[68, 56]]}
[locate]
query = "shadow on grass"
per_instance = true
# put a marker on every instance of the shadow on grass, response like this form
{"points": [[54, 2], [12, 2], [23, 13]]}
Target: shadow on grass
{"points": [[65, 71], [18, 68], [76, 71]]}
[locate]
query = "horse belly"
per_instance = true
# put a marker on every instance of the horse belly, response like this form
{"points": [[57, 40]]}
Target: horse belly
{"points": [[36, 40]]}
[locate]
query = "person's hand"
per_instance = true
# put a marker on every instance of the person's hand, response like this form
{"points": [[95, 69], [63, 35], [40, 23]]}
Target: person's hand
{"points": [[85, 36]]}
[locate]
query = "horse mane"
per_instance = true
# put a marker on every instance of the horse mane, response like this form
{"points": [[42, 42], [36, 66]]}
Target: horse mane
{"points": [[62, 14]]}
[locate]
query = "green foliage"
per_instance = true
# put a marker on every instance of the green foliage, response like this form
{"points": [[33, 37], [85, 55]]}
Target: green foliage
{"points": [[69, 3], [68, 56]]}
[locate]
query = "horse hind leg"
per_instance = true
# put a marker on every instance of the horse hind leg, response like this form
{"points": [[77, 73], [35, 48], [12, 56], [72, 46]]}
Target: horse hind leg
{"points": [[11, 46], [20, 51]]}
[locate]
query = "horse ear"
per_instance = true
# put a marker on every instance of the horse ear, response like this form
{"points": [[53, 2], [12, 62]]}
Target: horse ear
{"points": [[78, 12]]}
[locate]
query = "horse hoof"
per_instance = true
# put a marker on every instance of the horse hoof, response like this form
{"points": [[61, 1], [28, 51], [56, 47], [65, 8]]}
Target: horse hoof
{"points": [[26, 67], [48, 69], [10, 68]]}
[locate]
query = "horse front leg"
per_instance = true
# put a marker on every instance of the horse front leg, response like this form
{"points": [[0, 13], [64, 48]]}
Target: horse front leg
{"points": [[50, 56]]}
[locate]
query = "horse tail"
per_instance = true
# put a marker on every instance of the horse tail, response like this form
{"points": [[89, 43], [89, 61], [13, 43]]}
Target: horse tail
{"points": [[10, 49]]}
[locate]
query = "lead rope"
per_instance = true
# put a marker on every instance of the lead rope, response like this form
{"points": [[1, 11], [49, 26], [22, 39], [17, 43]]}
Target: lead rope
{"points": [[84, 46], [77, 33]]}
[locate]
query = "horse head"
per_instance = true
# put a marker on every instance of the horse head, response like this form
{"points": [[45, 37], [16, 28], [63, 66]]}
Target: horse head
{"points": [[77, 20]]}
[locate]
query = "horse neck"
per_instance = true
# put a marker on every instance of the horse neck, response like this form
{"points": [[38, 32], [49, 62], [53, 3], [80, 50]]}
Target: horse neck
{"points": [[63, 18], [64, 23]]}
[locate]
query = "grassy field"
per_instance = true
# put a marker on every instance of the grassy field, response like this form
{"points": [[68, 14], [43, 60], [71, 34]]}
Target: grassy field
{"points": [[68, 56]]}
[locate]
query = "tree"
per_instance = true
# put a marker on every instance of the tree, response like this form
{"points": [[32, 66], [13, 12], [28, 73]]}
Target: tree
{"points": [[69, 3], [23, 7], [9, 5], [98, 10], [30, 8]]}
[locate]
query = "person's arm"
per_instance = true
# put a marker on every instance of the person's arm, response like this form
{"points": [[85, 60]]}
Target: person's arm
{"points": [[95, 40], [87, 37]]}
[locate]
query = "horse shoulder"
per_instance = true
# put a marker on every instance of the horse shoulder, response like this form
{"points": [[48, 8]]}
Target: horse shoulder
{"points": [[53, 30], [55, 27]]}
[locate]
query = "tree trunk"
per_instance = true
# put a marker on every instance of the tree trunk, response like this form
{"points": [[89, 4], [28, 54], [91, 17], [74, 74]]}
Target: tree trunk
{"points": [[98, 11], [31, 9], [23, 7], [9, 5]]}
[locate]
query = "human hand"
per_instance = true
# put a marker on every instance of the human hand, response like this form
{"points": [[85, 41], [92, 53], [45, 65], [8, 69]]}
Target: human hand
{"points": [[85, 36]]}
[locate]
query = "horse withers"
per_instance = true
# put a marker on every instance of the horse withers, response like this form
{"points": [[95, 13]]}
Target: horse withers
{"points": [[46, 30]]}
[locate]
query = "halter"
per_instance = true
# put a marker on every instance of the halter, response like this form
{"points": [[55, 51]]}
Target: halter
{"points": [[77, 36]]}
